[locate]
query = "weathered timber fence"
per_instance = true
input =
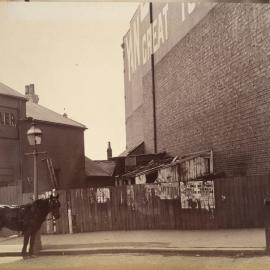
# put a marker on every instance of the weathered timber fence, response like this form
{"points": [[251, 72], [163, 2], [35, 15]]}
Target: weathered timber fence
{"points": [[239, 203], [11, 195]]}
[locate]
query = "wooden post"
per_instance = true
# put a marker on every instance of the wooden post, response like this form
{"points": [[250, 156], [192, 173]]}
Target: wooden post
{"points": [[267, 223], [37, 243]]}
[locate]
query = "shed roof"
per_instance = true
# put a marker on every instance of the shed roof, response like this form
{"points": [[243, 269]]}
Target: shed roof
{"points": [[93, 169], [107, 165], [99, 167], [130, 151], [7, 91], [41, 113], [149, 167]]}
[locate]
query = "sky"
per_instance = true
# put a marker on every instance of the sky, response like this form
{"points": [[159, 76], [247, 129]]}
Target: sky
{"points": [[72, 53]]}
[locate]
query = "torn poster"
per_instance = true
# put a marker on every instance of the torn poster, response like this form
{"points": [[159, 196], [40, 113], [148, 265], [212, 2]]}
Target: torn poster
{"points": [[197, 195]]}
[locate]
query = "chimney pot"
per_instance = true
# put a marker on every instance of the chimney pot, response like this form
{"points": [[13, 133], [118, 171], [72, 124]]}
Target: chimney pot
{"points": [[26, 89], [31, 88], [109, 151], [30, 93]]}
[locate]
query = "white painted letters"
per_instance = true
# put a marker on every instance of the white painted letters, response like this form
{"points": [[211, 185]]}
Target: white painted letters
{"points": [[165, 14], [140, 47], [136, 38], [128, 47], [155, 40], [160, 30], [149, 42], [191, 7], [144, 49], [187, 9]]}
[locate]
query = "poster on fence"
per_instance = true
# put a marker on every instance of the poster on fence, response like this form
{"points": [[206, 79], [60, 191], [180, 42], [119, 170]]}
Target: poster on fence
{"points": [[130, 197], [102, 195], [165, 191], [197, 195]]}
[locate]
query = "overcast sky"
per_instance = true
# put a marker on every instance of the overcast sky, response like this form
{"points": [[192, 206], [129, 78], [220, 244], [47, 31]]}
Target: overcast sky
{"points": [[72, 53]]}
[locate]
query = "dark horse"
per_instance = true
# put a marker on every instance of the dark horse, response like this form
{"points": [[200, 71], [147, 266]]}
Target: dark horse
{"points": [[28, 218]]}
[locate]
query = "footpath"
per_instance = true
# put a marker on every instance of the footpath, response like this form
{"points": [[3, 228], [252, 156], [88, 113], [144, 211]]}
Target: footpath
{"points": [[236, 242]]}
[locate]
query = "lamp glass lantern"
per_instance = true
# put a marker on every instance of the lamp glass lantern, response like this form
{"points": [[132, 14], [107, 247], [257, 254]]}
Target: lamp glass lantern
{"points": [[34, 135]]}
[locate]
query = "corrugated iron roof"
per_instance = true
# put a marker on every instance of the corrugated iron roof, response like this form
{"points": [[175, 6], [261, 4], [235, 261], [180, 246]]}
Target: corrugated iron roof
{"points": [[41, 113], [149, 167], [7, 91]]}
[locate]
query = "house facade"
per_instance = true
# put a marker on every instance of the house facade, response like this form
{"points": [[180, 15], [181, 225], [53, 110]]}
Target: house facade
{"points": [[62, 140]]}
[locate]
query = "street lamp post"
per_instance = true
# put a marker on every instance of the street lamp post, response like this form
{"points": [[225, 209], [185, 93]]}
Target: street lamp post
{"points": [[34, 136]]}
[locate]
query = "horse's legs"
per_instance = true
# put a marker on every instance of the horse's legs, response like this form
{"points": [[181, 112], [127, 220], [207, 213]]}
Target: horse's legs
{"points": [[32, 242], [25, 243]]}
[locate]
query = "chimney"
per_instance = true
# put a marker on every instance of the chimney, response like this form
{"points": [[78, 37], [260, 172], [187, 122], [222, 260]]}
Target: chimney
{"points": [[65, 114], [109, 151], [30, 93], [26, 89]]}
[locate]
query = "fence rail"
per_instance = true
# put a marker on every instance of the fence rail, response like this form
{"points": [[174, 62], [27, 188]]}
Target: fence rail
{"points": [[238, 203]]}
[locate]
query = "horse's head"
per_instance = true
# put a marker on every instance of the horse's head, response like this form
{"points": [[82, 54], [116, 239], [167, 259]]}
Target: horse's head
{"points": [[54, 205]]}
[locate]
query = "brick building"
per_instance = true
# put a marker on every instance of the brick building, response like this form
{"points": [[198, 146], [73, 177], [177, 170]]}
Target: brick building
{"points": [[63, 140], [197, 77]]}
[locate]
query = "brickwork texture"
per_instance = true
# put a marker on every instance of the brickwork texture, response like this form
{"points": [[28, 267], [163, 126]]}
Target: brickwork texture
{"points": [[213, 91]]}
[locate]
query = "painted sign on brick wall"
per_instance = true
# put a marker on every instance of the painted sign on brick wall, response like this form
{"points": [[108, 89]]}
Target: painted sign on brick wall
{"points": [[170, 22]]}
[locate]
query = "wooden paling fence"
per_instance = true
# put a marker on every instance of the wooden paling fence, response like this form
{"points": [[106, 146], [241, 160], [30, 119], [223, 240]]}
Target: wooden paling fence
{"points": [[14, 195], [11, 195], [238, 203]]}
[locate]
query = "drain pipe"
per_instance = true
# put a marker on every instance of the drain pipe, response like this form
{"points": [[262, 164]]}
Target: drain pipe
{"points": [[153, 80]]}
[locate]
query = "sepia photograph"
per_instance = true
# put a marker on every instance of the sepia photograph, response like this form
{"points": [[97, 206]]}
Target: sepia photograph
{"points": [[135, 135]]}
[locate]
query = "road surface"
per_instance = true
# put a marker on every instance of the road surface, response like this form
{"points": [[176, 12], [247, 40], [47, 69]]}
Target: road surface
{"points": [[134, 262]]}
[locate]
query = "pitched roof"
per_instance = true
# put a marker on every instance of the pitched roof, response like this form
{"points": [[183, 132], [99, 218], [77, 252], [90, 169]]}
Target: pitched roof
{"points": [[41, 113], [93, 169], [107, 165], [7, 91], [130, 151], [124, 153]]}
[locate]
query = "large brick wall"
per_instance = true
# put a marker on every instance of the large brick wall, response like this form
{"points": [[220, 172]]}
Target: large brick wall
{"points": [[134, 128], [213, 91], [148, 119]]}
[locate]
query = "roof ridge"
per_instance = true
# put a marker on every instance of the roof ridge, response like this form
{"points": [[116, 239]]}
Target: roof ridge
{"points": [[8, 91], [29, 103]]}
